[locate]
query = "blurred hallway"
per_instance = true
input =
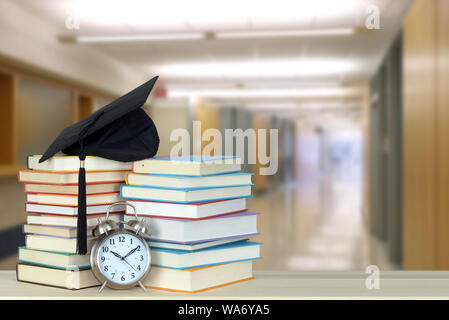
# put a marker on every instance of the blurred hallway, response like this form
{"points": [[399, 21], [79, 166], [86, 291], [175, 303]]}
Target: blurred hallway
{"points": [[360, 111], [312, 225], [316, 223]]}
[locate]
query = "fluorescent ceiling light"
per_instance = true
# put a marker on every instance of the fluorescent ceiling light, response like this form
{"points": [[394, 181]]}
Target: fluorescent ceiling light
{"points": [[286, 33], [260, 69], [216, 35], [281, 83], [265, 93], [296, 105], [253, 84], [142, 37]]}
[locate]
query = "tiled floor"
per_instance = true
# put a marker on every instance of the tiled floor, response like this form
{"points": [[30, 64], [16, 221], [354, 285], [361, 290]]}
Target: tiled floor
{"points": [[315, 224]]}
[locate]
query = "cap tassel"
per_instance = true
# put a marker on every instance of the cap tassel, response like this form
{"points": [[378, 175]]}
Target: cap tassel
{"points": [[82, 223]]}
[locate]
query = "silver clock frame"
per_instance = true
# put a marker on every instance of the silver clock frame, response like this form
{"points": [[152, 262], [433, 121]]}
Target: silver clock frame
{"points": [[94, 256], [109, 231]]}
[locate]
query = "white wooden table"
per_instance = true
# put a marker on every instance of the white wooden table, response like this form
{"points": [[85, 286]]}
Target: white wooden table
{"points": [[267, 285]]}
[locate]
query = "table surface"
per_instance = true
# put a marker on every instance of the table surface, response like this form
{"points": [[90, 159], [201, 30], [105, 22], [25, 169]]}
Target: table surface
{"points": [[267, 285]]}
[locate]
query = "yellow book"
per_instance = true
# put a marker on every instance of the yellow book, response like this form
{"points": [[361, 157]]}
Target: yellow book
{"points": [[198, 279], [72, 163]]}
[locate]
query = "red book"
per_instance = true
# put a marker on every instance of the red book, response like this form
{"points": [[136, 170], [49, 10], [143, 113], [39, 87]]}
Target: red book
{"points": [[71, 178], [70, 189], [193, 211], [72, 200], [70, 211]]}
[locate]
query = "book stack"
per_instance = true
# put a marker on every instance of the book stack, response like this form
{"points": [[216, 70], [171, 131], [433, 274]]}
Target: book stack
{"points": [[51, 188], [196, 210]]}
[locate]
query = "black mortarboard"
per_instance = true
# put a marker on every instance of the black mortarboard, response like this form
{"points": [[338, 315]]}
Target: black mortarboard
{"points": [[119, 131]]}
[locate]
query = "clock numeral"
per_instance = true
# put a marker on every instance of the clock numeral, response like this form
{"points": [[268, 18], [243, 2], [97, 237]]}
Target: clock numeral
{"points": [[138, 248], [105, 249], [103, 259], [106, 268], [132, 275], [111, 241], [141, 257], [121, 239], [138, 267], [113, 275], [123, 278], [131, 240]]}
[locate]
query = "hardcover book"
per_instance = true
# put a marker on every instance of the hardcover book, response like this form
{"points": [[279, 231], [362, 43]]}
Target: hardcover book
{"points": [[192, 246], [231, 226], [198, 210], [70, 211], [189, 165], [72, 200], [57, 231], [184, 182], [198, 279], [53, 177], [69, 279], [67, 221], [72, 163], [179, 259], [53, 259], [184, 195], [53, 243], [71, 189]]}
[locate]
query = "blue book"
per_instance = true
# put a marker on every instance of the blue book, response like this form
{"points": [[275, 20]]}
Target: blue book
{"points": [[189, 165], [53, 259], [232, 252], [187, 182], [192, 246], [186, 195]]}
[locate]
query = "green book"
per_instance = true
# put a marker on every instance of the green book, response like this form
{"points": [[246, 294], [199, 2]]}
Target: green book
{"points": [[69, 279], [52, 259]]}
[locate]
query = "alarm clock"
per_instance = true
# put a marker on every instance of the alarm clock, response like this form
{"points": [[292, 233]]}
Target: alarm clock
{"points": [[120, 257]]}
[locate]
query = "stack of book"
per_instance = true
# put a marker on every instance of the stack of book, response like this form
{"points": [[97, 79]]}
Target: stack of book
{"points": [[196, 209], [51, 188]]}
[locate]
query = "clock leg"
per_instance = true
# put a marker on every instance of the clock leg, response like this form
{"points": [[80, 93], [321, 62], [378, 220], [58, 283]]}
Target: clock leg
{"points": [[102, 287], [141, 285]]}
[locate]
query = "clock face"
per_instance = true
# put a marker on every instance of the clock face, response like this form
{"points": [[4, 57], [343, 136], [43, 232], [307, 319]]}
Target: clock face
{"points": [[123, 258]]}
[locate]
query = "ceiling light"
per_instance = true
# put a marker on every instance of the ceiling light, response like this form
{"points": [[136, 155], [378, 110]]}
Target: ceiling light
{"points": [[217, 35], [266, 93], [140, 37], [295, 105], [211, 35], [260, 69], [286, 33]]}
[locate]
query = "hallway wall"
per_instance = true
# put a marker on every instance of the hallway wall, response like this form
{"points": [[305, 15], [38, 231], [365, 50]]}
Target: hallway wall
{"points": [[31, 43], [426, 136], [385, 145]]}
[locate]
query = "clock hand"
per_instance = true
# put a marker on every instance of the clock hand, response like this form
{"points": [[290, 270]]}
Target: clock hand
{"points": [[130, 265], [123, 259], [131, 252], [117, 255]]}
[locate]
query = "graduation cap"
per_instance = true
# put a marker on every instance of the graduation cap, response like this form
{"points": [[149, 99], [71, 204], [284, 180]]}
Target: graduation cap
{"points": [[119, 131]]}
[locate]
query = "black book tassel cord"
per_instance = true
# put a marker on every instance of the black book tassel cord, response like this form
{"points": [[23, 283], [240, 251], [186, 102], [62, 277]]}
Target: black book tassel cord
{"points": [[81, 222]]}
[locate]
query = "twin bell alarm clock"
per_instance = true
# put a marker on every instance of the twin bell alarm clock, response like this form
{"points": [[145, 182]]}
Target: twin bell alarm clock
{"points": [[120, 257]]}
